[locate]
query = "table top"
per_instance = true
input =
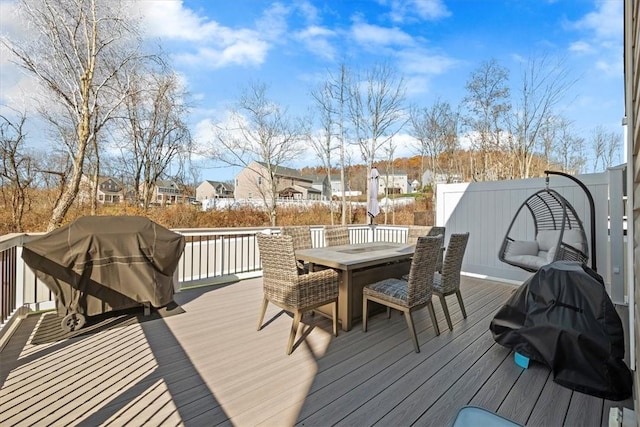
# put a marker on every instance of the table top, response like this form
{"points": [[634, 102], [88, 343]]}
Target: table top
{"points": [[350, 257]]}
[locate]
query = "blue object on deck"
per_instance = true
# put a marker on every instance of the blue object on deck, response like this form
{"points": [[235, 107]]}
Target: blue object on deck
{"points": [[521, 360], [473, 416]]}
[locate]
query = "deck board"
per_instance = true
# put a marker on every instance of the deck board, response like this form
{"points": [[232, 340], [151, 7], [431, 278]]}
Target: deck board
{"points": [[210, 366]]}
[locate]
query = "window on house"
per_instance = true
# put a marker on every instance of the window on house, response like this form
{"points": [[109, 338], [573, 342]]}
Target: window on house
{"points": [[259, 180]]}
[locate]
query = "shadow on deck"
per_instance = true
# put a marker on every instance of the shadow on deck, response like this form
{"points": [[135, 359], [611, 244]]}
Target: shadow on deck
{"points": [[210, 366]]}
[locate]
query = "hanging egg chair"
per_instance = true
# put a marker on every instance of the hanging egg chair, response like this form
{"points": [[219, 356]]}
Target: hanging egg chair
{"points": [[559, 233]]}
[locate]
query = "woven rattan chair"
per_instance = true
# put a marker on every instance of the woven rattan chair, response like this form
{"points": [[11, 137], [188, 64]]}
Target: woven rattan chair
{"points": [[412, 294], [289, 290], [336, 236], [448, 282], [301, 240], [416, 231]]}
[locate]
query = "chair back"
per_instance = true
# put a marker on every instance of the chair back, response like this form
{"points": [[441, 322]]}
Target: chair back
{"points": [[416, 231], [279, 268], [301, 236], [336, 236], [435, 231], [423, 267], [453, 261]]}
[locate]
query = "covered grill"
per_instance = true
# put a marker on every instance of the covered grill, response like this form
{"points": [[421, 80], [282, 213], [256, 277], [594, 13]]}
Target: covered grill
{"points": [[99, 264]]}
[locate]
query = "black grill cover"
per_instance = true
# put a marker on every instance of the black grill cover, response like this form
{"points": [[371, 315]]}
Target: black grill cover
{"points": [[563, 317], [104, 263]]}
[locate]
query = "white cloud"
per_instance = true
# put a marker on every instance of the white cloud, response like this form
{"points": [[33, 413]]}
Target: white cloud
{"points": [[242, 52], [601, 41], [273, 24], [169, 19], [613, 69], [211, 44], [605, 22], [316, 40], [409, 10], [419, 61], [309, 11], [580, 46], [379, 36]]}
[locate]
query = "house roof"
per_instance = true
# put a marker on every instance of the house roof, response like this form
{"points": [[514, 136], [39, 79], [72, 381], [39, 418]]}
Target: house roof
{"points": [[224, 185], [166, 183], [287, 172]]}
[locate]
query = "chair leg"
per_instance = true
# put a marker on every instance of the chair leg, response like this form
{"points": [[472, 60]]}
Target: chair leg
{"points": [[432, 313], [412, 330], [365, 314], [464, 312], [443, 302], [388, 312], [294, 330], [334, 310], [265, 302]]}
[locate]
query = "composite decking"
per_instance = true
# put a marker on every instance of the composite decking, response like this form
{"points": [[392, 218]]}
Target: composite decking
{"points": [[205, 364]]}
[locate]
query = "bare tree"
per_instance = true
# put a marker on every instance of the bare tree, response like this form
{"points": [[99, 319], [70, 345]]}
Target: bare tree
{"points": [[154, 130], [605, 146], [434, 128], [325, 143], [390, 150], [260, 131], [544, 83], [376, 109], [548, 139], [17, 168], [613, 149], [487, 103], [335, 103], [570, 148], [78, 48]]}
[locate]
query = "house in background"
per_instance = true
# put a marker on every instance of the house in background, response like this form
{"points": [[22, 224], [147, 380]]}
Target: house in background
{"points": [[213, 190], [336, 188], [165, 192], [252, 183], [398, 182], [440, 178], [109, 191], [322, 184]]}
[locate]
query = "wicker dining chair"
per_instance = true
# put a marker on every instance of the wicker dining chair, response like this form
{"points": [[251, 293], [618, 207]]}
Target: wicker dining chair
{"points": [[448, 282], [416, 231], [436, 231], [285, 287], [412, 294], [301, 240], [336, 236]]}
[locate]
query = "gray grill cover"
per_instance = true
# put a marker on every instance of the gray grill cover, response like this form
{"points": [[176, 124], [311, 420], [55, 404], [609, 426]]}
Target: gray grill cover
{"points": [[103, 263]]}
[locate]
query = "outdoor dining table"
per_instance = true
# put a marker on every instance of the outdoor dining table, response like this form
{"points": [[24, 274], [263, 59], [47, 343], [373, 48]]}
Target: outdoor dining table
{"points": [[359, 265]]}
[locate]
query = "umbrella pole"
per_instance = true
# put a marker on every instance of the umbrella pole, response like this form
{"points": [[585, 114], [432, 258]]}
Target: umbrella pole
{"points": [[372, 229]]}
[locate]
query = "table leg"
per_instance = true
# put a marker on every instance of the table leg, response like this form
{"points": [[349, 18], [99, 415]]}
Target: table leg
{"points": [[344, 300]]}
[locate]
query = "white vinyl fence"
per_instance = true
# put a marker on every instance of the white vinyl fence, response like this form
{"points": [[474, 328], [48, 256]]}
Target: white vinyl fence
{"points": [[486, 209]]}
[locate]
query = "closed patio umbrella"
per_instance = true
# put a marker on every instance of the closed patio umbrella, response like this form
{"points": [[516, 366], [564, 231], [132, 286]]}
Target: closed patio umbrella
{"points": [[372, 196]]}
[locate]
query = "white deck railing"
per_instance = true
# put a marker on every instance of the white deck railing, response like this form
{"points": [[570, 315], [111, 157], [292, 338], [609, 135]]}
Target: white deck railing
{"points": [[210, 256]]}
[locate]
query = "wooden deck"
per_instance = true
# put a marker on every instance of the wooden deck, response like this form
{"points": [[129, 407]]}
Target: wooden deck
{"points": [[209, 366]]}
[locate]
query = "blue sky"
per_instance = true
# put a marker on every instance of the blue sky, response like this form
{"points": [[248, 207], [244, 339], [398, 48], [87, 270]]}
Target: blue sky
{"points": [[220, 46]]}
